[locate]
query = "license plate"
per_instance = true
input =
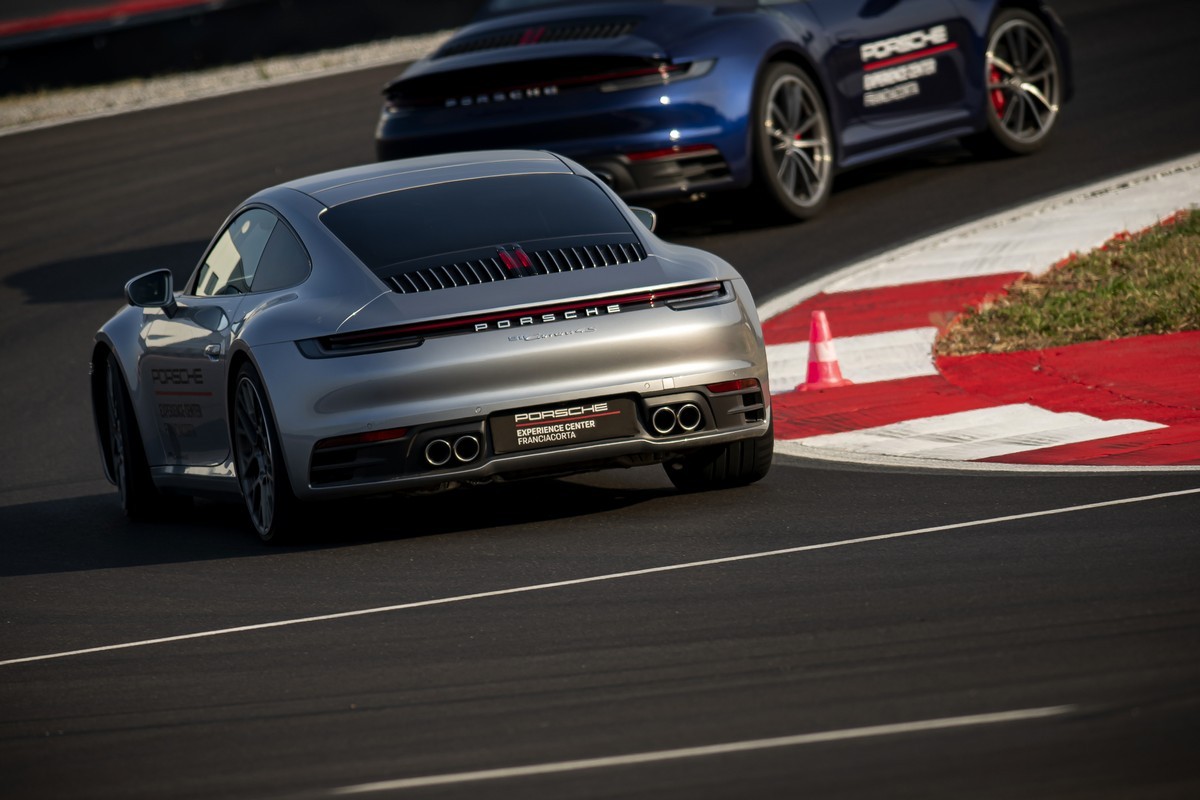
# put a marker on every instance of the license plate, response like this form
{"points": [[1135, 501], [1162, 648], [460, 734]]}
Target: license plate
{"points": [[563, 425]]}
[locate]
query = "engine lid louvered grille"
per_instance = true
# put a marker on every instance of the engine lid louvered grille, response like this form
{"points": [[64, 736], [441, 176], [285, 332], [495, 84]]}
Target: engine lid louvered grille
{"points": [[503, 266], [571, 31]]}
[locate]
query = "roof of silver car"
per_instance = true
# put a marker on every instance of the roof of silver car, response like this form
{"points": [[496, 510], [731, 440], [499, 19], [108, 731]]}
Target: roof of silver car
{"points": [[354, 183]]}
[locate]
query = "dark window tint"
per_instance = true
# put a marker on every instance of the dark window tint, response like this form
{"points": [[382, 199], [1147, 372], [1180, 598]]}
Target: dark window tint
{"points": [[284, 262], [465, 215]]}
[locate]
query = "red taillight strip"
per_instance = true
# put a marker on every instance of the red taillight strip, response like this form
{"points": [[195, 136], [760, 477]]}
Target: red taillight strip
{"points": [[469, 323], [368, 437], [668, 152], [739, 385], [664, 70], [392, 333]]}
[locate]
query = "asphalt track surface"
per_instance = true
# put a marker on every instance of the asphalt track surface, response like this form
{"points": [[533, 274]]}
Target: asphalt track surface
{"points": [[601, 636]]}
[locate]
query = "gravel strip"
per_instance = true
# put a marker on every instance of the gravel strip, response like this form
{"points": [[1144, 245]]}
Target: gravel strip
{"points": [[43, 109]]}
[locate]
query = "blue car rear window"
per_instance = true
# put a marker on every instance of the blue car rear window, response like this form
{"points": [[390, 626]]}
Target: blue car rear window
{"points": [[450, 218]]}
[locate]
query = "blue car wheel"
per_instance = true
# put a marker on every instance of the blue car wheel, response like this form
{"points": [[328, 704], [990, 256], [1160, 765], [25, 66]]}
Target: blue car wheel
{"points": [[793, 146], [1023, 75]]}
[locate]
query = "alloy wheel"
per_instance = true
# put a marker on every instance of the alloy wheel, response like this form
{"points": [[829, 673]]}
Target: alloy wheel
{"points": [[116, 427], [798, 136], [255, 463], [1023, 80]]}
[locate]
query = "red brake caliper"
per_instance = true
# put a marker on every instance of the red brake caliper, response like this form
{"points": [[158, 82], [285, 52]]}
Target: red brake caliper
{"points": [[998, 98]]}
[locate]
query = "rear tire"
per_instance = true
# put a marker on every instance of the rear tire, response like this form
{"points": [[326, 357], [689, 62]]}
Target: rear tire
{"points": [[1023, 81], [793, 150], [140, 500], [724, 466], [258, 458]]}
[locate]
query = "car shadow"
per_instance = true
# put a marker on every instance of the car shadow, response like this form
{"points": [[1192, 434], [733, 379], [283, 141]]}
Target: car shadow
{"points": [[747, 211], [91, 532], [100, 277]]}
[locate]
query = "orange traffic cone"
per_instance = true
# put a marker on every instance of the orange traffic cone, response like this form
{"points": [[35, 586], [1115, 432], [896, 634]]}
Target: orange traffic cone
{"points": [[823, 369]]}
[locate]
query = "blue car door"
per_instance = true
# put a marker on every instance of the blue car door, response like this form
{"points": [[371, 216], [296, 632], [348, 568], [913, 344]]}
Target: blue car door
{"points": [[898, 71]]}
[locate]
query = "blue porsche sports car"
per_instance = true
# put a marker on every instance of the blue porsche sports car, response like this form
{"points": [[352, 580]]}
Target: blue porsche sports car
{"points": [[677, 98]]}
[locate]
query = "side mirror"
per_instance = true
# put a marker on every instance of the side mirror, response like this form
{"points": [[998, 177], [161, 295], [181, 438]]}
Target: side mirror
{"points": [[152, 290], [645, 216]]}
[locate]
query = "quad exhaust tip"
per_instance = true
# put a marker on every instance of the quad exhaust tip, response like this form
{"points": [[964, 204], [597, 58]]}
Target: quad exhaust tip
{"points": [[684, 418], [464, 449]]}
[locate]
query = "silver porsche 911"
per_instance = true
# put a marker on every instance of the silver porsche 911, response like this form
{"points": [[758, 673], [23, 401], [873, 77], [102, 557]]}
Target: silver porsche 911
{"points": [[423, 324]]}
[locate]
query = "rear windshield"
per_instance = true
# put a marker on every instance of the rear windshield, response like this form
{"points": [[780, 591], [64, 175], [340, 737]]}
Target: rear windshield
{"points": [[449, 218]]}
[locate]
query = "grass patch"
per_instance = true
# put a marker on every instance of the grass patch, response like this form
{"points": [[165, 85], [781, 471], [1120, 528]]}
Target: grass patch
{"points": [[1135, 285]]}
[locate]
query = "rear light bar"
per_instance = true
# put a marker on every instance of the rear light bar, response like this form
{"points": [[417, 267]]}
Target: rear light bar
{"points": [[674, 152], [404, 336], [398, 96], [368, 437], [664, 75], [740, 385], [607, 82]]}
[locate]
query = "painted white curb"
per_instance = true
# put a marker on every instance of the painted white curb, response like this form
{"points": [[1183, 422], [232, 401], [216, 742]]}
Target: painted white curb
{"points": [[1029, 238]]}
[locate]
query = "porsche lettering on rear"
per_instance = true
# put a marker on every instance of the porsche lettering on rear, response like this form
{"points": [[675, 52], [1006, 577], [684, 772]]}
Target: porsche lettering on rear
{"points": [[575, 313], [526, 93]]}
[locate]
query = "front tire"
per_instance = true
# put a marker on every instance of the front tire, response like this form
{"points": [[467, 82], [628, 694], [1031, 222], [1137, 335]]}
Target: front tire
{"points": [[793, 148], [140, 500], [724, 466], [262, 474], [1023, 80]]}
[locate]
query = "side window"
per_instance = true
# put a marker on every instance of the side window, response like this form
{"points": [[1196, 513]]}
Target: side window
{"points": [[234, 259], [284, 262]]}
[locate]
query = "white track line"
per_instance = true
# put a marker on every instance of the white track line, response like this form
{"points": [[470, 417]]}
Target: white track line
{"points": [[630, 759], [598, 578]]}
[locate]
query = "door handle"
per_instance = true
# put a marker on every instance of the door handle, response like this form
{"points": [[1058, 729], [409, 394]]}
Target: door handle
{"points": [[213, 351]]}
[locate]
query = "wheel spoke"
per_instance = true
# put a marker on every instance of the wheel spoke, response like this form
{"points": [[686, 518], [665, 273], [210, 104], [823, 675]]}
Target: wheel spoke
{"points": [[1038, 58], [1000, 64], [1027, 102], [805, 168], [777, 118], [788, 175], [1031, 91], [1020, 113], [264, 500], [794, 103], [248, 415], [806, 127], [1017, 46], [1043, 76]]}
